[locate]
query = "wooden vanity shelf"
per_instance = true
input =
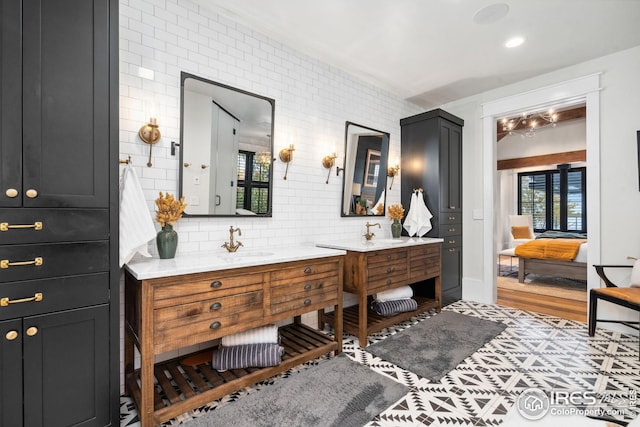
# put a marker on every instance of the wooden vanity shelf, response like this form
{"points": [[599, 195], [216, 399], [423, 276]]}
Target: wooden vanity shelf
{"points": [[168, 313], [197, 385]]}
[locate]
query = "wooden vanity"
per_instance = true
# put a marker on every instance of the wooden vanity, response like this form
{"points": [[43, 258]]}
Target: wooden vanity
{"points": [[172, 304], [376, 266]]}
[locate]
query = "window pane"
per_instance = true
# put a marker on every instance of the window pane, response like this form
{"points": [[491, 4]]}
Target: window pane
{"points": [[240, 198], [259, 198], [555, 214], [575, 202], [533, 199], [242, 166], [260, 171]]}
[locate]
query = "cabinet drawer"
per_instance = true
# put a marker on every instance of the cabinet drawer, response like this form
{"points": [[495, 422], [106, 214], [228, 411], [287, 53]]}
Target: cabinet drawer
{"points": [[423, 268], [450, 230], [425, 251], [298, 304], [213, 315], [305, 271], [452, 242], [384, 257], [450, 218], [53, 225], [57, 294], [300, 290], [206, 286], [37, 261]]}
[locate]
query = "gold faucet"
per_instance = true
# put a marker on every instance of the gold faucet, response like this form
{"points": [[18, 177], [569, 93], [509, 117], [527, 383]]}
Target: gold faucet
{"points": [[369, 235], [230, 246]]}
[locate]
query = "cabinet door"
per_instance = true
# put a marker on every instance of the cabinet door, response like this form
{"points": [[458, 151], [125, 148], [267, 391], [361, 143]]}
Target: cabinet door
{"points": [[11, 373], [10, 104], [65, 103], [451, 280], [66, 368], [450, 167]]}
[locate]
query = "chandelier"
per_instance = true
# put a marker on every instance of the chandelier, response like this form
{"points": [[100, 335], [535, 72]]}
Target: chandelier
{"points": [[527, 124], [263, 157]]}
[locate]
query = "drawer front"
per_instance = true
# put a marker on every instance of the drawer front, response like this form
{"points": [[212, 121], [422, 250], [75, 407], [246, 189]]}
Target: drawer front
{"points": [[452, 242], [450, 218], [299, 304], [384, 257], [214, 317], [206, 286], [423, 268], [19, 226], [38, 261], [425, 251], [450, 230], [301, 290], [305, 270], [56, 294]]}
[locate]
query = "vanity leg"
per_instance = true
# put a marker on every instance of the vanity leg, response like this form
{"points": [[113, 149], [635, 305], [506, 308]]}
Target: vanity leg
{"points": [[321, 319], [297, 320], [362, 320]]}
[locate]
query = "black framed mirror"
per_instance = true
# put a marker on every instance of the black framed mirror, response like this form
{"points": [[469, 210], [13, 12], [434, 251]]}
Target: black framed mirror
{"points": [[226, 155], [364, 176]]}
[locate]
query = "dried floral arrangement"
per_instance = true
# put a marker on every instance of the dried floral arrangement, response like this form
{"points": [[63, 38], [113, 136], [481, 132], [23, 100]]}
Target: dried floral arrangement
{"points": [[380, 209], [396, 212], [169, 210]]}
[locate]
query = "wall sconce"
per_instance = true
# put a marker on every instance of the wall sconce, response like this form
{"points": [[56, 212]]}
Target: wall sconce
{"points": [[328, 162], [150, 134], [392, 171], [286, 155]]}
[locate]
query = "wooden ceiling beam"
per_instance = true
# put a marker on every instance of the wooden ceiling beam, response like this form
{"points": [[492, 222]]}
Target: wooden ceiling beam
{"points": [[565, 115], [547, 159]]}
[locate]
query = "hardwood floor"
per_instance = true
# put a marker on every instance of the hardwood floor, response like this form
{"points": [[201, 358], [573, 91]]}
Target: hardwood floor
{"points": [[547, 304]]}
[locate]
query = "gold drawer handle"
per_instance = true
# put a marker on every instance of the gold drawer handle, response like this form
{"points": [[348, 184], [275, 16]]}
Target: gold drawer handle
{"points": [[216, 306], [451, 242], [32, 331], [215, 325], [11, 335], [452, 249], [451, 218], [452, 230], [5, 226], [452, 207], [11, 192], [307, 301], [31, 193], [37, 297], [5, 263]]}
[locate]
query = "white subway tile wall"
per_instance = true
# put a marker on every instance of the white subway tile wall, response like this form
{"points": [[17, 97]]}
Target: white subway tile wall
{"points": [[312, 99]]}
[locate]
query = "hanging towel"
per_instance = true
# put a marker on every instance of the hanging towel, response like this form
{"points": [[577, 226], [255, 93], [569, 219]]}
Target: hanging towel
{"points": [[136, 225], [423, 216], [411, 221]]}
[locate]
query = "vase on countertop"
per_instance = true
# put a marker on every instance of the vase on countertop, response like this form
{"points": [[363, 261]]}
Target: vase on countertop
{"points": [[396, 229], [167, 242]]}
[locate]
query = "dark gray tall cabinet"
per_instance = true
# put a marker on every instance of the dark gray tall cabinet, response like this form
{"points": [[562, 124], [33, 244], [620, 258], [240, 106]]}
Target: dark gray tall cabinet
{"points": [[59, 275], [432, 160]]}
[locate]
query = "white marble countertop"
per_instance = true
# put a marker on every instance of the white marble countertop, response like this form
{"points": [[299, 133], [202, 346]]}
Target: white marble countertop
{"points": [[363, 245], [151, 268]]}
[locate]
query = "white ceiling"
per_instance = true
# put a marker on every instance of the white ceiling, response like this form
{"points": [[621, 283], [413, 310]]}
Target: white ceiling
{"points": [[431, 51]]}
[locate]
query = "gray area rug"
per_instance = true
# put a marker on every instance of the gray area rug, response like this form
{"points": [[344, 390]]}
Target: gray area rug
{"points": [[436, 345], [337, 392]]}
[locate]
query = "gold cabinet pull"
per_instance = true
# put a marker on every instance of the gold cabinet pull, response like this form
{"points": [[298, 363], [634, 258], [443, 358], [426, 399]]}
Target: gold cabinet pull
{"points": [[5, 226], [37, 297], [11, 335], [11, 192], [31, 193], [32, 331], [5, 263]]}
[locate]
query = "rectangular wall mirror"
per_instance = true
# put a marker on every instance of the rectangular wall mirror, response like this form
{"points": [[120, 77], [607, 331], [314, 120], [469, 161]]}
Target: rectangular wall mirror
{"points": [[365, 167], [226, 154]]}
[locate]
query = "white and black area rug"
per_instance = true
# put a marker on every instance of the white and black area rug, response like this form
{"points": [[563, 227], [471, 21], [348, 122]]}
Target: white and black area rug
{"points": [[336, 392]]}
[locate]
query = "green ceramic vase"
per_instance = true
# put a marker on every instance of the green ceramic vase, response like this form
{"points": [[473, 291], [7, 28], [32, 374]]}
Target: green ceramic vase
{"points": [[167, 242], [396, 229]]}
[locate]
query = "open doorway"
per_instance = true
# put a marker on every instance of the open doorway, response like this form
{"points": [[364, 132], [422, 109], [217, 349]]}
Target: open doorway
{"points": [[584, 89], [541, 170]]}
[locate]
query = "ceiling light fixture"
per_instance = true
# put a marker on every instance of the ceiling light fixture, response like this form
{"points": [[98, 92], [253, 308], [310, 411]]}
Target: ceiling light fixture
{"points": [[527, 124], [514, 42]]}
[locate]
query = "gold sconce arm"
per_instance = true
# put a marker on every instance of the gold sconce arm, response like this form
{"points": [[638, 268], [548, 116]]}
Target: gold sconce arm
{"points": [[150, 134], [392, 171], [328, 162], [286, 156]]}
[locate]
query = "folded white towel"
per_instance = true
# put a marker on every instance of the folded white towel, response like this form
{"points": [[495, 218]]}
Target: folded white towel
{"points": [[402, 292], [136, 224], [423, 216], [263, 335], [410, 221]]}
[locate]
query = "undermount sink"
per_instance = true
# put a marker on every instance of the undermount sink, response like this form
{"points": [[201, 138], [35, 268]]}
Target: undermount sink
{"points": [[248, 254]]}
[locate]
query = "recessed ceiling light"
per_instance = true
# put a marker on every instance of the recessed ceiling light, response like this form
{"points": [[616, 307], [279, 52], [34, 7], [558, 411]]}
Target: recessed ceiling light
{"points": [[491, 13], [514, 42]]}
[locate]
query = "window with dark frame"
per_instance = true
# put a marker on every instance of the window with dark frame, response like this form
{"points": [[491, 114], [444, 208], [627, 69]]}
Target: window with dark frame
{"points": [[556, 198], [253, 183]]}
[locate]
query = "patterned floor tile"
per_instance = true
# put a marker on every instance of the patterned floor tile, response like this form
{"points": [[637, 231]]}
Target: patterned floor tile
{"points": [[534, 351]]}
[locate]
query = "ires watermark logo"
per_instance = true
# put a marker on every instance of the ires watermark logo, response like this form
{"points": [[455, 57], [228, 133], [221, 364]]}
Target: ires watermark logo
{"points": [[533, 403]]}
